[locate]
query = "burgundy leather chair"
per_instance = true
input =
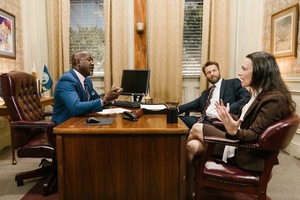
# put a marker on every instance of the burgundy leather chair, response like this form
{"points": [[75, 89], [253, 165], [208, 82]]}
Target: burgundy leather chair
{"points": [[31, 134], [218, 180]]}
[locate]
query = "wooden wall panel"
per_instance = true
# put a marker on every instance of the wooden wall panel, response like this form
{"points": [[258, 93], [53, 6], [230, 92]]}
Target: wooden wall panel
{"points": [[140, 40]]}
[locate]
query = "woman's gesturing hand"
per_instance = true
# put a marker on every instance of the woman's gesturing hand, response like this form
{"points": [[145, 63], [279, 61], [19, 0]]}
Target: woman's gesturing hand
{"points": [[223, 114]]}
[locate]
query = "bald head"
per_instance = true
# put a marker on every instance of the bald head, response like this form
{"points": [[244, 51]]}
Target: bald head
{"points": [[82, 61]]}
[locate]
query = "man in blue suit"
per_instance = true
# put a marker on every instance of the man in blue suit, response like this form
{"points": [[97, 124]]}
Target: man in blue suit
{"points": [[230, 91], [74, 94]]}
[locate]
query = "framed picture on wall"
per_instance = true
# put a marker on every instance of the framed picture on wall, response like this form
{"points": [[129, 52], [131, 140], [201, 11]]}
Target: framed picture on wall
{"points": [[7, 35], [284, 32]]}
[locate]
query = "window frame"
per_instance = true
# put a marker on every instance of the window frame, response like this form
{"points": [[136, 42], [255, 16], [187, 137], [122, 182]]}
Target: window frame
{"points": [[85, 22]]}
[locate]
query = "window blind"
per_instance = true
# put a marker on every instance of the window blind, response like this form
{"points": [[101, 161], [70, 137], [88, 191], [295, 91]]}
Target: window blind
{"points": [[192, 38], [87, 30]]}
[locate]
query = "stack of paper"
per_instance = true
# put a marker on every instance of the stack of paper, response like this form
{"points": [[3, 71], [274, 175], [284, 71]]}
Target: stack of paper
{"points": [[153, 107], [112, 111]]}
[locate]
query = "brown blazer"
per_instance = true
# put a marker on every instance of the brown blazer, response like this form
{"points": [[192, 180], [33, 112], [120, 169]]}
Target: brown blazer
{"points": [[266, 109]]}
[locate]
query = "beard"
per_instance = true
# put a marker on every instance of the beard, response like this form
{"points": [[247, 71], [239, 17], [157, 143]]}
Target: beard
{"points": [[214, 79]]}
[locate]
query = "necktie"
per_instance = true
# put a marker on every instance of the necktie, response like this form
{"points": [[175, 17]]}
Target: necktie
{"points": [[86, 90], [207, 103]]}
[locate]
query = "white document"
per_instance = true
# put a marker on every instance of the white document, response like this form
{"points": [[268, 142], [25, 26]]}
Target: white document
{"points": [[1, 102], [111, 111], [228, 152], [154, 107]]}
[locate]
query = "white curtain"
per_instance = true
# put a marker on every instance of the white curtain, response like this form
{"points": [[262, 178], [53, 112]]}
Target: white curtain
{"points": [[165, 32]]}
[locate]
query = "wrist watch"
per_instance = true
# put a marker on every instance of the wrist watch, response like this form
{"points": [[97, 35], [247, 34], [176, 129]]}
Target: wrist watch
{"points": [[103, 99]]}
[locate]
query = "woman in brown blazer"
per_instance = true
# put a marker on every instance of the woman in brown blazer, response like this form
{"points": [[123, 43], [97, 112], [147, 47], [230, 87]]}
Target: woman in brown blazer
{"points": [[270, 102]]}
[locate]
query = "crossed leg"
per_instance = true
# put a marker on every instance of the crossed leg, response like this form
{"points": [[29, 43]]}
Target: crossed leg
{"points": [[194, 147]]}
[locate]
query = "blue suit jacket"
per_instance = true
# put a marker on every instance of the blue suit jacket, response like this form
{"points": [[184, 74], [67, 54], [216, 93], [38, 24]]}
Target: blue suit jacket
{"points": [[231, 92], [70, 99]]}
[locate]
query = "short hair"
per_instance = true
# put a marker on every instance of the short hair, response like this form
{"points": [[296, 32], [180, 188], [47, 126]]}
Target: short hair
{"points": [[208, 63], [74, 57]]}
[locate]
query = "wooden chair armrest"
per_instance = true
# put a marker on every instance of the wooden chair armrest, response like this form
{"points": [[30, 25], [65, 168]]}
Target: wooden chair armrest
{"points": [[187, 113], [47, 114], [32, 124], [230, 142]]}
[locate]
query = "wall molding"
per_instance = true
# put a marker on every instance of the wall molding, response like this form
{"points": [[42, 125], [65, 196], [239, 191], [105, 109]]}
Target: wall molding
{"points": [[291, 79], [298, 131], [295, 92], [184, 94], [295, 143]]}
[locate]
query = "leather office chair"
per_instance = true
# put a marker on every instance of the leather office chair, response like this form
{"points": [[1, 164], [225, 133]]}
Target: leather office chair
{"points": [[31, 133], [215, 178]]}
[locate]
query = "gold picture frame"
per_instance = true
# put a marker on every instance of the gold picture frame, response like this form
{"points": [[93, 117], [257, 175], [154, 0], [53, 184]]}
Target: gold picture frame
{"points": [[7, 35], [284, 32]]}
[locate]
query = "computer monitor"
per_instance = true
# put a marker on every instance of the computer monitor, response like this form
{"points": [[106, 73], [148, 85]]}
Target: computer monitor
{"points": [[135, 83]]}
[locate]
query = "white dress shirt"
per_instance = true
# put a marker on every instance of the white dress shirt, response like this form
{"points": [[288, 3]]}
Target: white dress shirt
{"points": [[82, 78], [211, 110]]}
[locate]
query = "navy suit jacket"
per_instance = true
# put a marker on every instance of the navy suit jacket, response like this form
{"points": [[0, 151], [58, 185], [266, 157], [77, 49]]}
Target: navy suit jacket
{"points": [[231, 92], [71, 100]]}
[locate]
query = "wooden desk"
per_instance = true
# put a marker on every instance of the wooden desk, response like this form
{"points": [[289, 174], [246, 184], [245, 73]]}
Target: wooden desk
{"points": [[124, 160], [45, 101]]}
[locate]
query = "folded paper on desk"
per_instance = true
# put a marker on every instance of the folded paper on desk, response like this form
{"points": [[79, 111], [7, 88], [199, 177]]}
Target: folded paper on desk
{"points": [[112, 111], [154, 108]]}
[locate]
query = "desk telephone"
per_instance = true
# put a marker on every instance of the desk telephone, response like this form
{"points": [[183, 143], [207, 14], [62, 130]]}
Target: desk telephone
{"points": [[130, 116]]}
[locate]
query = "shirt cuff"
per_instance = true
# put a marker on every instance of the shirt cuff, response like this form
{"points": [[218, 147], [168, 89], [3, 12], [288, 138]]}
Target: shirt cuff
{"points": [[104, 102]]}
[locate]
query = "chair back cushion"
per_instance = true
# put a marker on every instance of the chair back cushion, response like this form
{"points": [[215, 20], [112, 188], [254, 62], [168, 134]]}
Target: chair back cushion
{"points": [[19, 91], [279, 135]]}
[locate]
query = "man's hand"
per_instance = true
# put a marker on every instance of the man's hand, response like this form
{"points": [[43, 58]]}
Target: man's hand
{"points": [[113, 93]]}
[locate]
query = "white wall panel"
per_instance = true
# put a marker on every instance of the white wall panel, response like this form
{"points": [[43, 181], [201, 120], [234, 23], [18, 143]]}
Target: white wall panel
{"points": [[246, 23]]}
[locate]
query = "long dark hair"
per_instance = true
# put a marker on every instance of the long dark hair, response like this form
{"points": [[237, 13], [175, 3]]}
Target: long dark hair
{"points": [[266, 76]]}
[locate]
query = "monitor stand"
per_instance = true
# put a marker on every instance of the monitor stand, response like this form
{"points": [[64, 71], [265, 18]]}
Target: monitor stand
{"points": [[137, 98]]}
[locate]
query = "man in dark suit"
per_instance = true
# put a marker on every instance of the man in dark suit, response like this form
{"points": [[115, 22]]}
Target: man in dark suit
{"points": [[74, 94], [230, 91]]}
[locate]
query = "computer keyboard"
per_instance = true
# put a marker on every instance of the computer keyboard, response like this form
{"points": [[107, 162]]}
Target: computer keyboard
{"points": [[128, 104]]}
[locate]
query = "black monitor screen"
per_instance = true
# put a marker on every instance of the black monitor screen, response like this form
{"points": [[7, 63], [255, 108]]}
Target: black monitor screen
{"points": [[135, 82]]}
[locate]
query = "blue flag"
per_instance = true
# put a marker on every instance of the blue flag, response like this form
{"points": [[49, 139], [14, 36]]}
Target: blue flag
{"points": [[47, 80]]}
